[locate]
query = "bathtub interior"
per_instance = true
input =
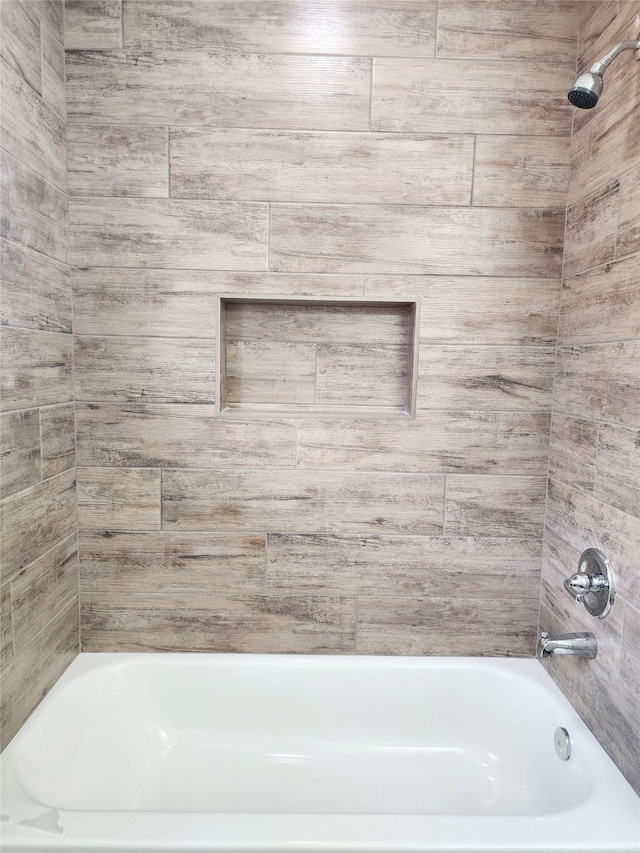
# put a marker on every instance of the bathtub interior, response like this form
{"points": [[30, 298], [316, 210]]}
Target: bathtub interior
{"points": [[301, 735]]}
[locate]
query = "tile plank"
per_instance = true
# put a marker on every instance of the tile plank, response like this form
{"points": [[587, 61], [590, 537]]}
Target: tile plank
{"points": [[92, 24], [36, 368], [364, 376], [617, 476], [20, 451], [20, 48], [118, 499], [38, 213], [495, 506], [628, 234], [572, 451], [591, 230], [270, 372], [57, 428]]}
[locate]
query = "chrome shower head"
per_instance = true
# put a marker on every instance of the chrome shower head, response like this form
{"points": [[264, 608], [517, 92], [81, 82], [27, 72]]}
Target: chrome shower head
{"points": [[587, 89]]}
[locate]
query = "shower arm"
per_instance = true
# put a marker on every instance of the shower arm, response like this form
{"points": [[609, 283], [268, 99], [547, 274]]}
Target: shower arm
{"points": [[602, 64]]}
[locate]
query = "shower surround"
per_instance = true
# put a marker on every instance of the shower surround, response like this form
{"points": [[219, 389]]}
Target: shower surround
{"points": [[383, 150]]}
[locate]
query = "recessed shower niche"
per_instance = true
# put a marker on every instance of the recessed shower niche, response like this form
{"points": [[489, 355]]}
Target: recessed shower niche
{"points": [[316, 357]]}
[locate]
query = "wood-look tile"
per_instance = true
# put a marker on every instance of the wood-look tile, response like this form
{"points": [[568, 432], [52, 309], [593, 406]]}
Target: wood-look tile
{"points": [[239, 623], [52, 15], [117, 160], [270, 372], [447, 626], [29, 675], [31, 131], [38, 213], [168, 563], [261, 165], [33, 521], [202, 87], [57, 428], [36, 290], [6, 628], [485, 378], [20, 48], [36, 368], [5, 180], [630, 669], [381, 239], [92, 24], [617, 479], [600, 304], [480, 505], [167, 233], [20, 453], [472, 96], [602, 150], [595, 19], [53, 89], [628, 234], [600, 382], [349, 27], [118, 499], [502, 29], [169, 303], [364, 376], [42, 590], [318, 324], [586, 522], [176, 436], [590, 237], [572, 451], [302, 501], [154, 370], [477, 310], [399, 566], [521, 171], [443, 442]]}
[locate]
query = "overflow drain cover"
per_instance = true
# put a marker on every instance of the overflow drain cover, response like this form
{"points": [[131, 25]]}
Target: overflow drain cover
{"points": [[563, 743]]}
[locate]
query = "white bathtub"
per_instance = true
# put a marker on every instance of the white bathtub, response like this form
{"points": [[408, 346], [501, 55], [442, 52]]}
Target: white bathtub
{"points": [[285, 753]]}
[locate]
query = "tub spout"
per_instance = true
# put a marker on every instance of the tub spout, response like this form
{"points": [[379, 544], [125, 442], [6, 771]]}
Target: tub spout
{"points": [[581, 645]]}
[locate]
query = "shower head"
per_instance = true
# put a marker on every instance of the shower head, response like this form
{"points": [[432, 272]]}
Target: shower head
{"points": [[587, 89]]}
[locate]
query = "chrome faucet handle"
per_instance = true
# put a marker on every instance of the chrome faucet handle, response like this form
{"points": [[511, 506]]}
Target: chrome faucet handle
{"points": [[582, 582], [593, 583]]}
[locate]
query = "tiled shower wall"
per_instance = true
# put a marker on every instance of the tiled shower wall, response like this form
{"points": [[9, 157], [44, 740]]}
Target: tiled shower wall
{"points": [[39, 575], [384, 149], [594, 487]]}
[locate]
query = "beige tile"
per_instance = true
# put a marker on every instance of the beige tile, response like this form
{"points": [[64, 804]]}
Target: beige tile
{"points": [[502, 29], [600, 305], [118, 499], [202, 87], [33, 521], [168, 233], [602, 150], [617, 479], [586, 522], [477, 309], [36, 290], [171, 563], [479, 378], [239, 623], [318, 324], [348, 27], [270, 372], [399, 566], [53, 90], [600, 381], [380, 239], [31, 131], [20, 454], [495, 506], [628, 240], [36, 368], [118, 160], [521, 171], [377, 376], [467, 442], [472, 96], [302, 501], [57, 428], [20, 48], [359, 168], [572, 451], [33, 672], [92, 24], [154, 370], [178, 436], [447, 626], [38, 213], [42, 590], [590, 237]]}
